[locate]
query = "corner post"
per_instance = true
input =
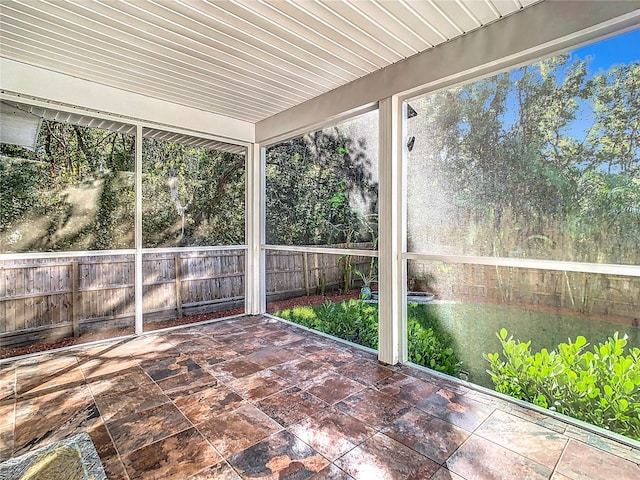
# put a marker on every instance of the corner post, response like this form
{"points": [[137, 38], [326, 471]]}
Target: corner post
{"points": [[255, 298], [139, 278], [392, 236]]}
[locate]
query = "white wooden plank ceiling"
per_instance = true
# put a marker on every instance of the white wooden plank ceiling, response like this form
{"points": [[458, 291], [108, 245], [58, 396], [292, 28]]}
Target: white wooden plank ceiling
{"points": [[245, 59]]}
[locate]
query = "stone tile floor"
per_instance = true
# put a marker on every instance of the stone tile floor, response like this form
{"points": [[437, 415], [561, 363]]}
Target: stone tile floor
{"points": [[253, 397]]}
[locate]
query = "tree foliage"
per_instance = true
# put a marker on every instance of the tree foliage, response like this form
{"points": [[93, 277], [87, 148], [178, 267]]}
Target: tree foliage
{"points": [[320, 190], [191, 196], [76, 191], [547, 150]]}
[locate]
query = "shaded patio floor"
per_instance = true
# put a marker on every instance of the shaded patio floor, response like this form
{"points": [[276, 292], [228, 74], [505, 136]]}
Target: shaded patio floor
{"points": [[253, 397]]}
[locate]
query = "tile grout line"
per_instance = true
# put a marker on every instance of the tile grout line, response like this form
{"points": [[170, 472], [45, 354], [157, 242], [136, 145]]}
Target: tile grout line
{"points": [[284, 428], [104, 422], [175, 343], [471, 434], [172, 401], [555, 467], [169, 400], [443, 463], [193, 425], [513, 451]]}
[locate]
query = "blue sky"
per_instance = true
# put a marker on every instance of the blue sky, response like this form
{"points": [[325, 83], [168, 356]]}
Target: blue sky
{"points": [[601, 55], [623, 48]]}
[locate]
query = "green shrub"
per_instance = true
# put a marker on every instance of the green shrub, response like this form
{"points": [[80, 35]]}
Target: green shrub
{"points": [[429, 345], [601, 387], [428, 349], [357, 322], [352, 320]]}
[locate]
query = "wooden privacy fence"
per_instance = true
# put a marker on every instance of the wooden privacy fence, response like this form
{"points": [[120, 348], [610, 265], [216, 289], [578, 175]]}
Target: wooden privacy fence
{"points": [[290, 274], [189, 283], [52, 298], [610, 297], [47, 299]]}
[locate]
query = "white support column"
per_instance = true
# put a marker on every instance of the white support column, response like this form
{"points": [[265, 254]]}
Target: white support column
{"points": [[139, 327], [392, 238], [255, 302]]}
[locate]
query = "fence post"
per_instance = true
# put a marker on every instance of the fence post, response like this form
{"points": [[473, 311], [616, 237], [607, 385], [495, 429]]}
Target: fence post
{"points": [[316, 270], [305, 269], [176, 263], [75, 304]]}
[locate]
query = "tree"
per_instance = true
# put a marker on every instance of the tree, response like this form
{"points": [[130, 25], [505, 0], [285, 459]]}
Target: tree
{"points": [[320, 190], [191, 195], [614, 138], [72, 192], [507, 159]]}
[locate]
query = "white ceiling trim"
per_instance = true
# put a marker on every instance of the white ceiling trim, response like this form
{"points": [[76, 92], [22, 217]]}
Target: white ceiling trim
{"points": [[133, 49], [127, 79], [237, 43], [356, 57], [86, 119]]}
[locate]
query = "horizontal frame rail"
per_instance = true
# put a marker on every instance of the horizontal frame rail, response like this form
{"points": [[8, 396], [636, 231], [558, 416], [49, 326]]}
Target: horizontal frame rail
{"points": [[558, 265], [327, 250], [105, 253]]}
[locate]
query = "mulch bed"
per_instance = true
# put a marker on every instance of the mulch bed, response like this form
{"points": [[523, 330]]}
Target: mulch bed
{"points": [[87, 337]]}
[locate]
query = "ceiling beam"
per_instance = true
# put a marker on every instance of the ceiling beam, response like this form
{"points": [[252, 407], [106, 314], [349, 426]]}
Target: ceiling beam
{"points": [[541, 30], [28, 81]]}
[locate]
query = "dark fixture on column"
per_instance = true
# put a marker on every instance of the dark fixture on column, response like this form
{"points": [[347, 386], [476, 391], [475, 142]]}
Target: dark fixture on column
{"points": [[411, 112]]}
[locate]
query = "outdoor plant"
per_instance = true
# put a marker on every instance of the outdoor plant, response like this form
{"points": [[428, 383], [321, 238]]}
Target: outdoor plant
{"points": [[430, 350], [367, 280], [348, 268], [357, 322], [352, 320], [600, 386]]}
